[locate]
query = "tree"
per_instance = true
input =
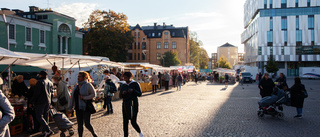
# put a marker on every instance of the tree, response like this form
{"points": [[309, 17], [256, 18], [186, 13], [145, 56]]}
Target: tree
{"points": [[272, 66], [109, 35], [223, 63], [198, 55], [170, 59]]}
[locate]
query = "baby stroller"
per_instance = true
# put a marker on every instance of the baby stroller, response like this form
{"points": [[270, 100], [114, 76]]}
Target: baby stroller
{"points": [[272, 105], [62, 122]]}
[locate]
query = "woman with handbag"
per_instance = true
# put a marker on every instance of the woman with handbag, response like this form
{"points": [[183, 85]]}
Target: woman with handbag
{"points": [[81, 100], [129, 92], [297, 96], [63, 94]]}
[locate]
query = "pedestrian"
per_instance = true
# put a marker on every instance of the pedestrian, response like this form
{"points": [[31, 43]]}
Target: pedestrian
{"points": [[41, 101], [109, 89], [63, 94], [196, 76], [226, 80], [33, 124], [160, 80], [282, 81], [166, 80], [266, 85], [297, 96], [19, 87], [154, 82], [81, 95], [260, 76], [129, 92], [174, 76], [257, 78], [103, 83], [179, 80], [6, 115]]}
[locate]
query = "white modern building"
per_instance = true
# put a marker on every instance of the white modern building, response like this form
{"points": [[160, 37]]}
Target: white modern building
{"points": [[287, 30]]}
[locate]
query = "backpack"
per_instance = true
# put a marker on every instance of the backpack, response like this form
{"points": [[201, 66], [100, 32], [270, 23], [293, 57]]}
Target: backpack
{"points": [[113, 88], [179, 78]]}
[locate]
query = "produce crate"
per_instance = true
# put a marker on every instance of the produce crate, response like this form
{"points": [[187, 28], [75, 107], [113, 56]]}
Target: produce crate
{"points": [[18, 110], [16, 129]]}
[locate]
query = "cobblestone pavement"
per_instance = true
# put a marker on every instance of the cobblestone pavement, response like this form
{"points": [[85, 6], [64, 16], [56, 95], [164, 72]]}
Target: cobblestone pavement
{"points": [[207, 110]]}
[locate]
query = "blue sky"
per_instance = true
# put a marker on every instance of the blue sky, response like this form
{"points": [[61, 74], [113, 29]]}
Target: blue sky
{"points": [[215, 21]]}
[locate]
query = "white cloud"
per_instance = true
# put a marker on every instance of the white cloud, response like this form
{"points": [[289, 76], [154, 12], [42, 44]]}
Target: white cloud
{"points": [[79, 11]]}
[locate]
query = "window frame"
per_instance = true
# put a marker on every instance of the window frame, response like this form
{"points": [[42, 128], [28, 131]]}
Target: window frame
{"points": [[166, 45], [174, 45], [158, 45]]}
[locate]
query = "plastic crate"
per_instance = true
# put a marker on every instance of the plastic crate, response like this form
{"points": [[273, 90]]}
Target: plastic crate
{"points": [[18, 110], [16, 129], [17, 120]]}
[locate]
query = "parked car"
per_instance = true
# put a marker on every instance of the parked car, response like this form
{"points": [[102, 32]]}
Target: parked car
{"points": [[246, 77]]}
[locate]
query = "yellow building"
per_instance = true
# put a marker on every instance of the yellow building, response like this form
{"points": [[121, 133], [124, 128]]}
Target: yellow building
{"points": [[151, 42], [230, 52]]}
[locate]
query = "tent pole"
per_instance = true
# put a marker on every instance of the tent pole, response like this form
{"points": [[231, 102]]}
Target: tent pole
{"points": [[9, 66]]}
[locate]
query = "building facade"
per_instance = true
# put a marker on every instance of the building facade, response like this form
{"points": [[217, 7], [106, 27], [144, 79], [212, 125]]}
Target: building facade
{"points": [[214, 59], [40, 32], [287, 30], [151, 42], [230, 52]]}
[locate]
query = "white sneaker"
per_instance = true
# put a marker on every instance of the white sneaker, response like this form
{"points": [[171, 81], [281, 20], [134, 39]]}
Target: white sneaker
{"points": [[141, 135], [47, 134]]}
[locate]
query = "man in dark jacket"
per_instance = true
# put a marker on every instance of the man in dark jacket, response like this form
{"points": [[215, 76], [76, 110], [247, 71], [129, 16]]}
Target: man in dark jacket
{"points": [[42, 101], [266, 85]]}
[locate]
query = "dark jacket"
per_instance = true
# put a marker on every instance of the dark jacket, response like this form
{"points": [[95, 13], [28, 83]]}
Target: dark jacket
{"points": [[297, 96], [267, 87], [42, 92], [130, 100], [282, 81], [19, 89]]}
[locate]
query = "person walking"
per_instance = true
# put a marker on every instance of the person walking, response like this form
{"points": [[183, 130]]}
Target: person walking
{"points": [[154, 82], [7, 115], [196, 76], [160, 80], [103, 83], [110, 88], [63, 94], [174, 76], [41, 101], [179, 80], [266, 85], [129, 92], [297, 96], [226, 80], [166, 80], [33, 124], [260, 76], [82, 94]]}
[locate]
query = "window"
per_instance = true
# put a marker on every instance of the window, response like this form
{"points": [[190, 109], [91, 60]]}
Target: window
{"points": [[149, 34], [144, 45], [138, 34], [11, 31], [159, 34], [129, 56], [271, 50], [138, 56], [40, 17], [28, 34], [174, 45], [158, 45], [260, 51], [139, 45], [41, 36], [153, 34], [45, 16], [308, 4], [173, 34], [311, 22], [158, 56], [143, 56], [270, 38], [283, 3], [265, 4], [64, 28], [271, 23], [298, 38], [282, 50], [297, 22], [130, 47], [283, 23], [270, 4], [166, 45], [285, 37], [135, 45], [166, 33], [135, 56], [297, 3], [135, 35], [312, 37], [29, 16]]}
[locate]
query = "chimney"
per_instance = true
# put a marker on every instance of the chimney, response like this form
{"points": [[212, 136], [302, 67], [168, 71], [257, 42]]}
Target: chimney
{"points": [[155, 25], [17, 11], [33, 9], [164, 25]]}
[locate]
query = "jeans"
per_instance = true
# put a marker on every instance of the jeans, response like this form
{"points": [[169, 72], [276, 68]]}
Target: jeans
{"points": [[154, 88], [41, 112], [109, 104], [178, 85], [133, 123], [166, 85], [84, 116], [299, 111]]}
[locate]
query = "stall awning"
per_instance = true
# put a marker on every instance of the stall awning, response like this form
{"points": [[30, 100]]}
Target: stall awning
{"points": [[7, 57]]}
